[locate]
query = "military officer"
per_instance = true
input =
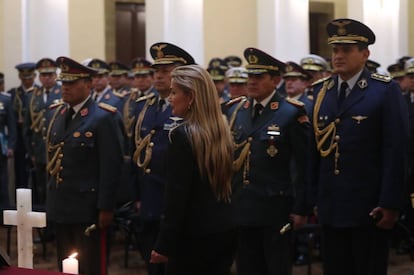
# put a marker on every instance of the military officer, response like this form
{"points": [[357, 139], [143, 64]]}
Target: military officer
{"points": [[397, 72], [360, 125], [315, 65], [34, 124], [217, 69], [409, 74], [8, 138], [102, 91], [83, 169], [233, 61], [296, 82], [372, 66], [19, 100], [269, 132], [237, 80], [151, 141], [118, 77], [143, 76]]}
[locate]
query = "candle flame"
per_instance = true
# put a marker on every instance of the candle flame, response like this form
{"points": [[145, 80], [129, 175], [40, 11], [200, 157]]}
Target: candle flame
{"points": [[73, 255]]}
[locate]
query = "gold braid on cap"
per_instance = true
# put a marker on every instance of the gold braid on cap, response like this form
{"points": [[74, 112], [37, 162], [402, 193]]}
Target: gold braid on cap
{"points": [[54, 153], [145, 142], [329, 132]]}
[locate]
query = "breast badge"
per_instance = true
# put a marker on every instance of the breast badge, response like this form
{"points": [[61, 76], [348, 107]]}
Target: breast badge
{"points": [[84, 112], [88, 134], [76, 134]]}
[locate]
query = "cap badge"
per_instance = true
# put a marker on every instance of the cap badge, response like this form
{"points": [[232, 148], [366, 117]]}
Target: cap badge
{"points": [[46, 63], [253, 59], [95, 65], [159, 49], [341, 26], [289, 68], [64, 68]]}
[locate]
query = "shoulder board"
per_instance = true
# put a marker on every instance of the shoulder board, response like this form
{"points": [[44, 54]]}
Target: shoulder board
{"points": [[235, 100], [118, 94], [380, 77], [295, 102], [321, 80], [107, 107], [145, 97], [53, 106]]}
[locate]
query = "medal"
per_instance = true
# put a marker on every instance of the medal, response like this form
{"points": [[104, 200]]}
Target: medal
{"points": [[271, 150]]}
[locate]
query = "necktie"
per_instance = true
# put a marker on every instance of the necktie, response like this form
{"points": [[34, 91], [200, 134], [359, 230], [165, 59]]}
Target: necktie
{"points": [[257, 110], [95, 97], [68, 118], [46, 97], [161, 104], [342, 93]]}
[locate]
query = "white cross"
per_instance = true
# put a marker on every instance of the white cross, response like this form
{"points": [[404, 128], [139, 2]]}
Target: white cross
{"points": [[25, 220]]}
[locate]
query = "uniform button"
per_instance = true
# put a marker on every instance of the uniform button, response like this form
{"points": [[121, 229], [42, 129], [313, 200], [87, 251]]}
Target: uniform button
{"points": [[82, 144], [60, 155], [147, 171], [337, 172], [151, 144], [93, 189], [61, 168], [249, 139], [62, 143], [337, 121], [246, 182], [59, 179], [336, 138]]}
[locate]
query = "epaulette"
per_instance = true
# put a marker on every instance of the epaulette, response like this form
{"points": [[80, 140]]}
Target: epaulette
{"points": [[320, 80], [107, 107], [118, 94], [145, 97], [380, 77], [6, 94], [235, 100], [295, 102], [54, 105]]}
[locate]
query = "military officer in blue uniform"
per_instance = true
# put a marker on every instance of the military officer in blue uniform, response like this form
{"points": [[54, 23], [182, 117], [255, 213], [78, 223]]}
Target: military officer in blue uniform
{"points": [[118, 77], [269, 132], [19, 96], [151, 142], [8, 137], [102, 91], [360, 125], [35, 127], [297, 81], [233, 61], [85, 150], [217, 69]]}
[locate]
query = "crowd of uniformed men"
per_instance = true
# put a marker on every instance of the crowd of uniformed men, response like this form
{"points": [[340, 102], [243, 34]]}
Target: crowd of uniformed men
{"points": [[271, 142]]}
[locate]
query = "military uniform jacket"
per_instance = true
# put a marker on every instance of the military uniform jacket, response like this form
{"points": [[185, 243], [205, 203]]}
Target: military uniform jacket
{"points": [[111, 98], [265, 191], [84, 163], [151, 180], [371, 135], [35, 126], [7, 125]]}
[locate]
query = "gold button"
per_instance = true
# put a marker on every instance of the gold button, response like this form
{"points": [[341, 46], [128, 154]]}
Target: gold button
{"points": [[249, 139], [336, 137], [93, 189], [336, 172], [61, 168], [337, 121], [62, 143], [60, 155], [147, 171], [151, 144]]}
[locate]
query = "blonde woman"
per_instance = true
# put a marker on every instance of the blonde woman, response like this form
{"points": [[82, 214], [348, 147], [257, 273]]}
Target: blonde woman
{"points": [[197, 234]]}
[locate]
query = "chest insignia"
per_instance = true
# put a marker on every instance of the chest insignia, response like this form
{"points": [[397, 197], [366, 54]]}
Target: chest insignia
{"points": [[76, 134], [246, 105], [359, 118], [274, 105], [88, 134], [84, 112], [362, 83], [331, 84], [56, 91], [107, 96]]}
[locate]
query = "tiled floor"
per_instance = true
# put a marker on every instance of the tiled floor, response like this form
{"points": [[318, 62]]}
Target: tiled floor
{"points": [[399, 264]]}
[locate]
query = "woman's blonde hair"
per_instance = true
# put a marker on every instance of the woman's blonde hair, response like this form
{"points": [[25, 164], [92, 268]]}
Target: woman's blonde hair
{"points": [[207, 128]]}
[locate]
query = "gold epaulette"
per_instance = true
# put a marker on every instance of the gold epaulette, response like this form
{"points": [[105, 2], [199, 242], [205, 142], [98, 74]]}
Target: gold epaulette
{"points": [[235, 100], [120, 95], [320, 80], [107, 107], [295, 102], [145, 97], [57, 104], [380, 77]]}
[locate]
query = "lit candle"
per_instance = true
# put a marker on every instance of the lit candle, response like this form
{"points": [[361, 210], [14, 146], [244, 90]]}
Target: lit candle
{"points": [[71, 265]]}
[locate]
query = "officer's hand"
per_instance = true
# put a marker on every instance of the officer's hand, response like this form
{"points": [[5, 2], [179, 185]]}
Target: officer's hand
{"points": [[105, 218], [298, 221], [157, 258], [388, 217]]}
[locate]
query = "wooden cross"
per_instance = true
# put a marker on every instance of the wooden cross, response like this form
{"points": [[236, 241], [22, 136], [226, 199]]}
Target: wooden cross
{"points": [[25, 220]]}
